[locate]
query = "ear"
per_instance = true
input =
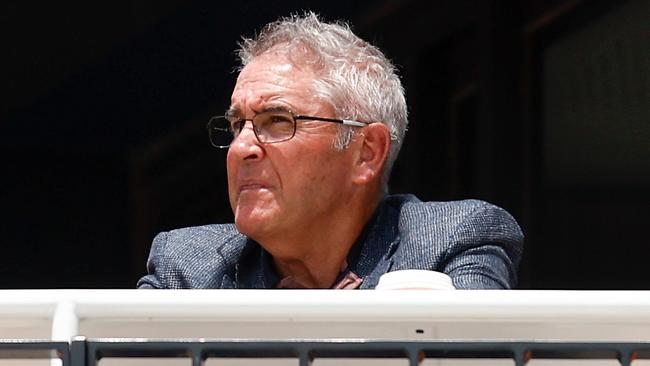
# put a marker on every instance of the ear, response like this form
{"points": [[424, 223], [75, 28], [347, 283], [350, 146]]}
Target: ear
{"points": [[374, 148]]}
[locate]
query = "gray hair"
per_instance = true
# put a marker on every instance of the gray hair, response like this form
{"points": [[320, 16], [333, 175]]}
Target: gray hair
{"points": [[353, 75]]}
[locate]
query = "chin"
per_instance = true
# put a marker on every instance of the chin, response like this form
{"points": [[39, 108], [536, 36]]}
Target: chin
{"points": [[257, 218], [251, 226]]}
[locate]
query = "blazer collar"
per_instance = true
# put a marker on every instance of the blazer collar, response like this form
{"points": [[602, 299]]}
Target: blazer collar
{"points": [[376, 245]]}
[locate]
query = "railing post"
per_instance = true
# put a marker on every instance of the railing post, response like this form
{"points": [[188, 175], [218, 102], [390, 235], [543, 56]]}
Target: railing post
{"points": [[197, 360], [520, 356], [414, 357], [303, 357], [78, 352], [625, 358], [65, 323], [196, 351]]}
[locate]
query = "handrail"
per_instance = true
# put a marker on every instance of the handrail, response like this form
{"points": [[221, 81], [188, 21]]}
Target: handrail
{"points": [[520, 314], [510, 304]]}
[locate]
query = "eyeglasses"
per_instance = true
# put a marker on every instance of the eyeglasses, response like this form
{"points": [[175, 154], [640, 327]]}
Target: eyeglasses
{"points": [[269, 127]]}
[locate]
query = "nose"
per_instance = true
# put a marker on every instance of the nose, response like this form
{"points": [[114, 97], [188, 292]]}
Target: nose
{"points": [[246, 146]]}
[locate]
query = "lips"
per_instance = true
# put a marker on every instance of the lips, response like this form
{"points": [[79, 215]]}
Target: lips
{"points": [[251, 185]]}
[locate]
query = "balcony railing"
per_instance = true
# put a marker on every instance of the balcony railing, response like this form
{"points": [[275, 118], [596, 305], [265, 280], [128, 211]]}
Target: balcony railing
{"points": [[82, 352], [81, 327]]}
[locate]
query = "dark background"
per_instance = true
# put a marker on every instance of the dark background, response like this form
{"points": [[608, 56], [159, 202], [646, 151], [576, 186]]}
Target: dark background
{"points": [[541, 107]]}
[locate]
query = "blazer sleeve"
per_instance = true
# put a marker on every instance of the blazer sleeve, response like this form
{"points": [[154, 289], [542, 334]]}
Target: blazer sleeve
{"points": [[487, 250], [152, 280]]}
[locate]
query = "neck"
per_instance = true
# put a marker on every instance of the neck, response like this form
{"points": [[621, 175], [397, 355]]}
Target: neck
{"points": [[314, 257]]}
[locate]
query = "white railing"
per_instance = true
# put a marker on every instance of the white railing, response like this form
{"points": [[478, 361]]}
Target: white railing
{"points": [[273, 314], [615, 316]]}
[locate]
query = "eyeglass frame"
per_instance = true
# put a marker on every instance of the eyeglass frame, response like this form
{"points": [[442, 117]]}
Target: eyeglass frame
{"points": [[345, 122]]}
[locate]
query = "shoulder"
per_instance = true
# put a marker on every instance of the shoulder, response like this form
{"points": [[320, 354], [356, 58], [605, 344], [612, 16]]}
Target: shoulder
{"points": [[197, 238], [454, 218], [410, 204], [193, 257], [477, 243]]}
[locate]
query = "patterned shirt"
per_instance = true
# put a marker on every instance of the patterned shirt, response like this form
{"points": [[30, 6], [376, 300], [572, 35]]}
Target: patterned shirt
{"points": [[346, 280]]}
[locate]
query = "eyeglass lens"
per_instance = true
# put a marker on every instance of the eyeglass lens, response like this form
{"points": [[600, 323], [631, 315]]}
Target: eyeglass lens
{"points": [[269, 127]]}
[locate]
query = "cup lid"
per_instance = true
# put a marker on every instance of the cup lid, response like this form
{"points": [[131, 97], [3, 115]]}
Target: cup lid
{"points": [[415, 279]]}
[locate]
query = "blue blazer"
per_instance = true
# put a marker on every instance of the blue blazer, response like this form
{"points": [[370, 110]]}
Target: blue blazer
{"points": [[478, 244]]}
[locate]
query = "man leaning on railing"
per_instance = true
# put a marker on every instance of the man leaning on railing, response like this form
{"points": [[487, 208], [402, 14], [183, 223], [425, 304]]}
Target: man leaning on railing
{"points": [[316, 120]]}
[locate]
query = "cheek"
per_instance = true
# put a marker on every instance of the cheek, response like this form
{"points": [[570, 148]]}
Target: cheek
{"points": [[317, 174], [232, 165], [232, 168], [306, 169]]}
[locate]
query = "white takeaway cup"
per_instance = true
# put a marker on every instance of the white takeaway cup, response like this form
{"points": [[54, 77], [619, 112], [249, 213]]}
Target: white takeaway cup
{"points": [[415, 279]]}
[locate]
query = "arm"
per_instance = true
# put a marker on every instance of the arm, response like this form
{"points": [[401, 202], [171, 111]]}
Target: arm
{"points": [[487, 249], [152, 279]]}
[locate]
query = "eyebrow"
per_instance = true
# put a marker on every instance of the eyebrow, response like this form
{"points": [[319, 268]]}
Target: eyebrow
{"points": [[275, 108], [234, 111]]}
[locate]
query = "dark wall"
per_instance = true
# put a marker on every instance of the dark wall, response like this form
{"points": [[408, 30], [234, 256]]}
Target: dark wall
{"points": [[103, 142], [542, 108]]}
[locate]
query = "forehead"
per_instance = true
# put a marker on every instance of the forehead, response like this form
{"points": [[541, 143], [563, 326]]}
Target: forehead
{"points": [[273, 78]]}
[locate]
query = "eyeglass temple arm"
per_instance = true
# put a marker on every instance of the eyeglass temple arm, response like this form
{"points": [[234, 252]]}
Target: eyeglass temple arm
{"points": [[349, 122]]}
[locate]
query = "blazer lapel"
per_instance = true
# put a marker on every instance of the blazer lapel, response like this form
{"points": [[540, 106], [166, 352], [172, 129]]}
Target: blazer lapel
{"points": [[376, 246], [255, 270]]}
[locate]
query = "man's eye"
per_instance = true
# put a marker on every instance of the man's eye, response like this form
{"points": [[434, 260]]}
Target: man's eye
{"points": [[279, 119]]}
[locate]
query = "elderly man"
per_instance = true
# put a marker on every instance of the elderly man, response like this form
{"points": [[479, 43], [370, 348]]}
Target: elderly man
{"points": [[315, 123]]}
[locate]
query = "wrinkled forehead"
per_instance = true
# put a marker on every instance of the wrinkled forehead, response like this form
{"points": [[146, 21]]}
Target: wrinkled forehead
{"points": [[274, 79], [272, 72]]}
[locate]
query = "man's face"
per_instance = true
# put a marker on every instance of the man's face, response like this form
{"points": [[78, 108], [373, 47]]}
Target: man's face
{"points": [[289, 188]]}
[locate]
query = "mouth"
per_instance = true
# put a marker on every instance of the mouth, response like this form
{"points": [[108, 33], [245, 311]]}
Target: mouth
{"points": [[252, 186]]}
